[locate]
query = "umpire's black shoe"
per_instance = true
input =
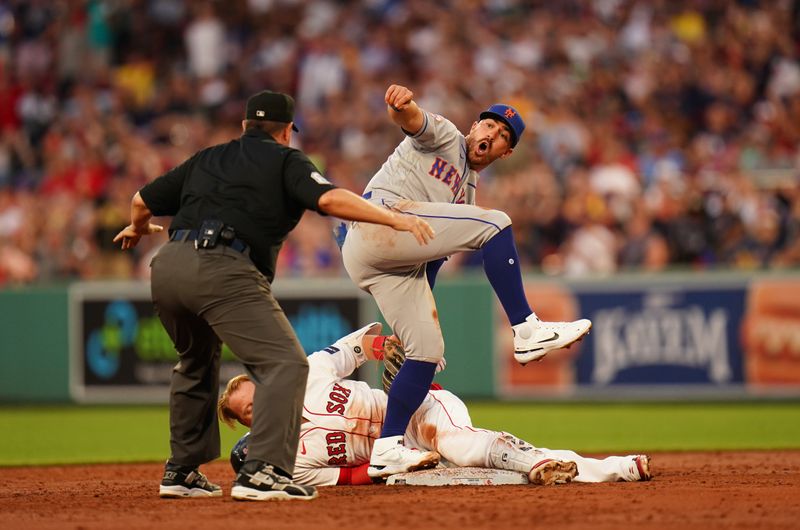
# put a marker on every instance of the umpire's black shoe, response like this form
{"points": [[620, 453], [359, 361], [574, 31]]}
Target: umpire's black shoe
{"points": [[258, 481], [179, 482]]}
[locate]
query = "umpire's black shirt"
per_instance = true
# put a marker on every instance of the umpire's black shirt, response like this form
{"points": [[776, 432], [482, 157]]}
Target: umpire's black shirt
{"points": [[254, 184]]}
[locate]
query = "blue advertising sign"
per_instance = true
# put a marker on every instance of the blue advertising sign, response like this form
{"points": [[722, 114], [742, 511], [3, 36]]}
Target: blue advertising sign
{"points": [[662, 336]]}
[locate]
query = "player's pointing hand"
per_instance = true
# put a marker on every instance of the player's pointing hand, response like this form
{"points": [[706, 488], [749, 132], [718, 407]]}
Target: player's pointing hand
{"points": [[398, 97], [403, 110]]}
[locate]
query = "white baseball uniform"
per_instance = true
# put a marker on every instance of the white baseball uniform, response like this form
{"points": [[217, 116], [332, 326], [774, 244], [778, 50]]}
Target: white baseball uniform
{"points": [[427, 175], [342, 418]]}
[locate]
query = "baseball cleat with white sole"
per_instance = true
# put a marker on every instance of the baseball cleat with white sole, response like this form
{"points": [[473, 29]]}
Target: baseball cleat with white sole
{"points": [[390, 456], [534, 338], [259, 481], [186, 482], [549, 472]]}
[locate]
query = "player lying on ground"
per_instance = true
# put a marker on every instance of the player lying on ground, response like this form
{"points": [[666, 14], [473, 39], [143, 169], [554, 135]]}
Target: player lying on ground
{"points": [[342, 418]]}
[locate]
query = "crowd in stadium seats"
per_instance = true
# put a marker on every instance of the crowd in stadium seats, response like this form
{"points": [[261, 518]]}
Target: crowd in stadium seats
{"points": [[661, 134]]}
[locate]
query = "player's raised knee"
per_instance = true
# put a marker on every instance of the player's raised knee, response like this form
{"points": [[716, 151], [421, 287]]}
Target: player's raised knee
{"points": [[499, 218]]}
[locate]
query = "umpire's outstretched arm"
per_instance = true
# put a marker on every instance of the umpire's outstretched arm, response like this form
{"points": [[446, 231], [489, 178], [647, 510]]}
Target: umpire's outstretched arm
{"points": [[140, 225], [345, 204]]}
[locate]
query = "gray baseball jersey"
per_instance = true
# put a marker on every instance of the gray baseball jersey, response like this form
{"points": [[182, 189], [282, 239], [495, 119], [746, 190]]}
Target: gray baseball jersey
{"points": [[430, 166], [427, 175]]}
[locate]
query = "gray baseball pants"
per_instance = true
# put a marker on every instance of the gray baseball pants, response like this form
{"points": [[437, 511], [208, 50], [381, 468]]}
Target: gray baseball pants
{"points": [[390, 265], [207, 296]]}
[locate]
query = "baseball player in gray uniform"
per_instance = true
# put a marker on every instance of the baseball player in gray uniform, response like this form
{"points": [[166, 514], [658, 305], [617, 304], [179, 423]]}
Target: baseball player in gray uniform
{"points": [[433, 173]]}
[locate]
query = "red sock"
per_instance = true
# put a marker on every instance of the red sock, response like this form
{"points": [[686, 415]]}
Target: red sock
{"points": [[377, 346]]}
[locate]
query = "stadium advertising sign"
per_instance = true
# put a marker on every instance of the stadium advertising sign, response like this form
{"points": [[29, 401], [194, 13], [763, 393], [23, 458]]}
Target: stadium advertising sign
{"points": [[771, 336], [663, 336], [121, 353], [670, 338]]}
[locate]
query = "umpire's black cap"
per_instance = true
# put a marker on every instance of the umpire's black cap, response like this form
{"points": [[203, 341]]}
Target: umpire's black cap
{"points": [[271, 106]]}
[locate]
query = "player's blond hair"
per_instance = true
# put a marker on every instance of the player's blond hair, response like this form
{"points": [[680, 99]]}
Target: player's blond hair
{"points": [[224, 412]]}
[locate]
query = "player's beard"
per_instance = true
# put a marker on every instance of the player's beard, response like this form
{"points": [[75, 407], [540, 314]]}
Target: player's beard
{"points": [[479, 152]]}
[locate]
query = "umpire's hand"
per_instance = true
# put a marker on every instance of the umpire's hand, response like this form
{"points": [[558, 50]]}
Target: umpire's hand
{"points": [[130, 235], [416, 225], [140, 224], [345, 204]]}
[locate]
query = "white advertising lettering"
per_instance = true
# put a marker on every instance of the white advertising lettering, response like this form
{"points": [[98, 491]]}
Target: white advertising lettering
{"points": [[684, 337]]}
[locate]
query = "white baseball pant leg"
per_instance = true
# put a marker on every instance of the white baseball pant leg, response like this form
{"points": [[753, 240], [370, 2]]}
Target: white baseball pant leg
{"points": [[443, 424]]}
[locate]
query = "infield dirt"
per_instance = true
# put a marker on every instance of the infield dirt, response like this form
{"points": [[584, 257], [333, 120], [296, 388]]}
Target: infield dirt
{"points": [[690, 491]]}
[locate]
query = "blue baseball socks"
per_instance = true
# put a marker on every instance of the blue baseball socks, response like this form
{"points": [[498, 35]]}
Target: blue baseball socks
{"points": [[501, 264], [409, 388]]}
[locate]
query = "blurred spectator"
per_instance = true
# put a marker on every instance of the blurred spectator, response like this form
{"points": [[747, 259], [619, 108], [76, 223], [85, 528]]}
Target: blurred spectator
{"points": [[205, 42], [664, 133]]}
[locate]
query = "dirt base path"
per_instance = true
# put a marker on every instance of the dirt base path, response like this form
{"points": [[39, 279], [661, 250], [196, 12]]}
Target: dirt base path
{"points": [[690, 491]]}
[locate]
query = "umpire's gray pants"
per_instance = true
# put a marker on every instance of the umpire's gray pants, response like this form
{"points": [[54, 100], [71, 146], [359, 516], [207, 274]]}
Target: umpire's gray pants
{"points": [[206, 296]]}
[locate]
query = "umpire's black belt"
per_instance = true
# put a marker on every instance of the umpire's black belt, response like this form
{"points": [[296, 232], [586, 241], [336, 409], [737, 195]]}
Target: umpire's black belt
{"points": [[192, 235]]}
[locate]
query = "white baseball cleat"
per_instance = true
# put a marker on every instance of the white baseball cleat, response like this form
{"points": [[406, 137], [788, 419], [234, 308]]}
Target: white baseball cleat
{"points": [[533, 339], [390, 456], [549, 472]]}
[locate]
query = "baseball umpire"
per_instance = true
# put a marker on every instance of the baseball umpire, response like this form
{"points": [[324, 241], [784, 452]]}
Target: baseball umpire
{"points": [[233, 205]]}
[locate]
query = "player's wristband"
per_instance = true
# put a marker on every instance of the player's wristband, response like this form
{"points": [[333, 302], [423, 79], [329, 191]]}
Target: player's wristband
{"points": [[354, 476], [377, 346]]}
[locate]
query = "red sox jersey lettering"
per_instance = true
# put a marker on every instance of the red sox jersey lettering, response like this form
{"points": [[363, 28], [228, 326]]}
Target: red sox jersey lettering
{"points": [[340, 416], [337, 448], [337, 399]]}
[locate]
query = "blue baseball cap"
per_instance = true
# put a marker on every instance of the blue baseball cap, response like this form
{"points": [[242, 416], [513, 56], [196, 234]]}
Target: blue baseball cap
{"points": [[508, 115]]}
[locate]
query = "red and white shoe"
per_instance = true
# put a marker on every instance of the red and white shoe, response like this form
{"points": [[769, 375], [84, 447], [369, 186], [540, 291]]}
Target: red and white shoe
{"points": [[643, 467], [534, 338], [547, 472]]}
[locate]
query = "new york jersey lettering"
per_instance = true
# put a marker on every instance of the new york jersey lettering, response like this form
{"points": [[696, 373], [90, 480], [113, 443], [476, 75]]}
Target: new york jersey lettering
{"points": [[438, 166], [451, 176], [456, 181], [448, 178]]}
